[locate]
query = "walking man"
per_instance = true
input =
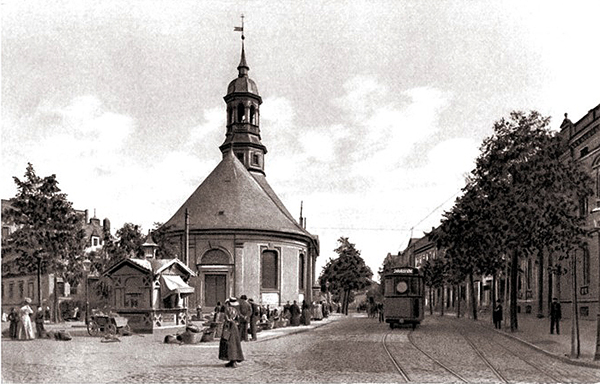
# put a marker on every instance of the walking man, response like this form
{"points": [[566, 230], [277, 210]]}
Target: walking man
{"points": [[255, 315], [555, 315], [245, 312], [497, 315]]}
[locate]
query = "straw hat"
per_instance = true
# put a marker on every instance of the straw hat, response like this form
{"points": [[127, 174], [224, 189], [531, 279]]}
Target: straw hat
{"points": [[233, 301], [27, 300]]}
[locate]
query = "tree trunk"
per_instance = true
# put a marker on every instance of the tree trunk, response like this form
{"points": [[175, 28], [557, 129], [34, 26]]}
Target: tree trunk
{"points": [[550, 281], [575, 346], [540, 295], [493, 295], [430, 301], [505, 308], [443, 301], [458, 301], [473, 298], [39, 282], [56, 312], [514, 270]]}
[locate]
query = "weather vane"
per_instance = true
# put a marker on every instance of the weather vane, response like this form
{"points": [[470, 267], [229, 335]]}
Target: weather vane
{"points": [[240, 29]]}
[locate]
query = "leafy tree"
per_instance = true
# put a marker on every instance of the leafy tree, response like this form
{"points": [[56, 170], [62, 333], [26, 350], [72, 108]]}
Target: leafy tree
{"points": [[434, 274], [345, 274], [167, 246], [50, 237], [522, 196]]}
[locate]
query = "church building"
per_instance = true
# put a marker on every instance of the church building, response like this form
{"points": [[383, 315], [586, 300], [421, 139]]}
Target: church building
{"points": [[233, 231]]}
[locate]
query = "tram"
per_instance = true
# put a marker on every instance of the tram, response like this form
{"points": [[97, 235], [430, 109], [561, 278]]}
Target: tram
{"points": [[404, 296]]}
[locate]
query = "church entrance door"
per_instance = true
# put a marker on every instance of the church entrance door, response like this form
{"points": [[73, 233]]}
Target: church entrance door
{"points": [[215, 289]]}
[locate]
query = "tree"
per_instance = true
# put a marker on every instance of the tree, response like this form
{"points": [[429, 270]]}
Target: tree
{"points": [[434, 271], [50, 237], [345, 274], [167, 246], [521, 197]]}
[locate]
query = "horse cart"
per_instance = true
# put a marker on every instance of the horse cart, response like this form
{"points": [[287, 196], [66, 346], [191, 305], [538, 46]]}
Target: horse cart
{"points": [[101, 324]]}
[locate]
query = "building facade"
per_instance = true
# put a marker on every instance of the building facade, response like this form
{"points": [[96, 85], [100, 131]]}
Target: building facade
{"points": [[17, 285], [584, 147], [233, 231]]}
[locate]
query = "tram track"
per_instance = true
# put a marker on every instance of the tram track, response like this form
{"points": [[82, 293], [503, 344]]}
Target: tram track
{"points": [[477, 350], [403, 371]]}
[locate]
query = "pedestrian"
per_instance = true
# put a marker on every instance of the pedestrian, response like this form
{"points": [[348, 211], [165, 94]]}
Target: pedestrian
{"points": [[295, 313], [305, 313], [380, 312], [230, 345], [318, 311], [245, 310], [555, 316], [24, 329], [13, 318], [254, 317], [497, 315], [39, 323]]}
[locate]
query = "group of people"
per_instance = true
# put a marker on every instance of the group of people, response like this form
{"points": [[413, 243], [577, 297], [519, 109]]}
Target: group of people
{"points": [[238, 321], [555, 315], [21, 326]]}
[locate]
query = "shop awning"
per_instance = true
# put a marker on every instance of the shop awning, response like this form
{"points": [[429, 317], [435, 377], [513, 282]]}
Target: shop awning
{"points": [[174, 284]]}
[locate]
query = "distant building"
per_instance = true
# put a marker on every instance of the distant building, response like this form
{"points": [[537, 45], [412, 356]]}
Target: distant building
{"points": [[17, 285], [233, 231]]}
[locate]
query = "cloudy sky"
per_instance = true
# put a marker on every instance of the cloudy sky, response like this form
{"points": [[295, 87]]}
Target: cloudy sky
{"points": [[372, 114]]}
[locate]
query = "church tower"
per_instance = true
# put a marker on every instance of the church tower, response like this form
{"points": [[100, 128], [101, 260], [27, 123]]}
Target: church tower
{"points": [[243, 120]]}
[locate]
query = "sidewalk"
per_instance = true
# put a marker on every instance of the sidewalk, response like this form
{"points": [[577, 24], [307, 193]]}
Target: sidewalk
{"points": [[78, 328], [536, 333]]}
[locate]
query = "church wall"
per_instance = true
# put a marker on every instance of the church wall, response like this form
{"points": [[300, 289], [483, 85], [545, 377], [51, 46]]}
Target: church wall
{"points": [[244, 275]]}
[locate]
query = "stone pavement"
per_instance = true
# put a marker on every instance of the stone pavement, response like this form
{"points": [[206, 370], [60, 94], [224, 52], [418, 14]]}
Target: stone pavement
{"points": [[535, 332]]}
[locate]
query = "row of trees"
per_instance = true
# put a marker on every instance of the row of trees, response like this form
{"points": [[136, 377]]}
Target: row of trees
{"points": [[521, 201], [49, 236]]}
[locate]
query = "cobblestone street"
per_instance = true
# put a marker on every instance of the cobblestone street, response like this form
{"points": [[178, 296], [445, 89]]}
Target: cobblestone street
{"points": [[348, 350]]}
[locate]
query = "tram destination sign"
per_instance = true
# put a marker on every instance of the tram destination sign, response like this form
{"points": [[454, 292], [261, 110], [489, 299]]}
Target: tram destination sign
{"points": [[404, 271]]}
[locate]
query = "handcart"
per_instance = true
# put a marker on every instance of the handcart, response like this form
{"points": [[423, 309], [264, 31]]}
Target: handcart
{"points": [[101, 324]]}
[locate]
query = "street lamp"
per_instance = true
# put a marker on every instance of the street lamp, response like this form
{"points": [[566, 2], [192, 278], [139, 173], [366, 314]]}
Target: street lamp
{"points": [[596, 217], [86, 267]]}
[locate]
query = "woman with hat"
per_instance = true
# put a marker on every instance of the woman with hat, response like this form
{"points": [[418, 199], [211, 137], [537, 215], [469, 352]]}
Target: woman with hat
{"points": [[25, 330], [230, 345]]}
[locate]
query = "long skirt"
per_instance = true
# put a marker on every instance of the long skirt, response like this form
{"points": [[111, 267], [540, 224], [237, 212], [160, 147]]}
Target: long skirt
{"points": [[305, 316], [24, 329], [230, 349]]}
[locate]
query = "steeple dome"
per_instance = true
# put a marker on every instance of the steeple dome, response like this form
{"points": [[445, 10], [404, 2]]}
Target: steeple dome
{"points": [[243, 119]]}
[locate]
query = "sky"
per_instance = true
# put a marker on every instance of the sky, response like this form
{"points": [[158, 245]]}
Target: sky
{"points": [[373, 111]]}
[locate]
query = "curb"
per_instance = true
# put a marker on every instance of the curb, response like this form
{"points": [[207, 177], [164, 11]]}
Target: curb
{"points": [[564, 359], [294, 332]]}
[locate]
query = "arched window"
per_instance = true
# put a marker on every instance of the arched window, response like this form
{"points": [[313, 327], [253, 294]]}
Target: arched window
{"points": [[301, 272], [253, 115], [269, 269], [215, 257], [241, 113]]}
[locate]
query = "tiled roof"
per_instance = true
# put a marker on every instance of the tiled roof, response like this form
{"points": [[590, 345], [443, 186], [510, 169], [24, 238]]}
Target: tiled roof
{"points": [[233, 198]]}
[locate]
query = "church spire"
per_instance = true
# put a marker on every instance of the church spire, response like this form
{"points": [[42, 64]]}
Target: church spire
{"points": [[243, 117]]}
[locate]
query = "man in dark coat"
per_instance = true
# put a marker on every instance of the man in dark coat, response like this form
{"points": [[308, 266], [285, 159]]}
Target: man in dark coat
{"points": [[555, 315], [245, 313], [254, 316], [497, 314], [230, 345], [295, 313]]}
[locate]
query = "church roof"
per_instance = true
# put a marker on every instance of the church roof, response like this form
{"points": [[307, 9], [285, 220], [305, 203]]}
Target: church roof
{"points": [[233, 198]]}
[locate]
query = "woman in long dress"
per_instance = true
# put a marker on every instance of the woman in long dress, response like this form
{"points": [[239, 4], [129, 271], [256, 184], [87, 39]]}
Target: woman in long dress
{"points": [[230, 345], [25, 329]]}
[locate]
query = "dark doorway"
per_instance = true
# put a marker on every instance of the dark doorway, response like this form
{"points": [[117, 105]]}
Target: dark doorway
{"points": [[215, 289]]}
